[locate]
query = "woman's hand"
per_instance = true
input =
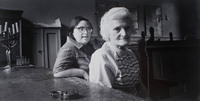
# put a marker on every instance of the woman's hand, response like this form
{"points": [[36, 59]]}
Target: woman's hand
{"points": [[86, 76]]}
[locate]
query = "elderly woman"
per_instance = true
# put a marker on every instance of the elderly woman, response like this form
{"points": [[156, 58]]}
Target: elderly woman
{"points": [[114, 65], [74, 56]]}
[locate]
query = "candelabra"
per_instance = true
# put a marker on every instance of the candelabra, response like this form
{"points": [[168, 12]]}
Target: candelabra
{"points": [[9, 40]]}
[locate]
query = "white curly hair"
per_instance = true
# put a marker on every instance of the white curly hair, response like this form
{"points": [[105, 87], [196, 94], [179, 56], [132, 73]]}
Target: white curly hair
{"points": [[113, 13]]}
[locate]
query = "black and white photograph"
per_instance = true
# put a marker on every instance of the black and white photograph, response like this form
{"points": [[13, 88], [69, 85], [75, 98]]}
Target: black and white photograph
{"points": [[100, 50]]}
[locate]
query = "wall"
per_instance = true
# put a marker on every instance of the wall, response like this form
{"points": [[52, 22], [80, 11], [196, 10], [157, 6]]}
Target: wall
{"points": [[179, 22], [183, 15], [46, 11]]}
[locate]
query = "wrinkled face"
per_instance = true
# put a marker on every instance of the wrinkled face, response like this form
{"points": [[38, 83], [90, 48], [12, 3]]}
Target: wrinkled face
{"points": [[119, 32], [82, 32]]}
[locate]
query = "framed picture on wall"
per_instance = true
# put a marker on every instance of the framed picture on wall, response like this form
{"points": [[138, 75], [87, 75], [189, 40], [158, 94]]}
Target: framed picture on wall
{"points": [[153, 18], [135, 19], [101, 7], [135, 34]]}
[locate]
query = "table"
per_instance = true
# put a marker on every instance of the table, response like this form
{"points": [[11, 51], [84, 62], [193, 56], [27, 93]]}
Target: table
{"points": [[34, 84]]}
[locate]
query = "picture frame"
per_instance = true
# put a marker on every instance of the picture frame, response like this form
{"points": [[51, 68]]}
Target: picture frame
{"points": [[135, 19], [153, 18], [101, 7]]}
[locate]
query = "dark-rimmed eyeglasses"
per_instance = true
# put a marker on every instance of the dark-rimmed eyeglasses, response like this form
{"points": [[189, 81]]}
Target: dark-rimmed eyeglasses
{"points": [[82, 29]]}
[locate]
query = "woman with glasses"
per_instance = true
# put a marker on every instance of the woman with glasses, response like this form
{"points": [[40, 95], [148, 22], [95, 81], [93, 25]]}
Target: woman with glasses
{"points": [[74, 56]]}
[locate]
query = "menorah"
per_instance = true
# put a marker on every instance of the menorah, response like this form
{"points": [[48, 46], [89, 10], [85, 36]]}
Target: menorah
{"points": [[9, 40]]}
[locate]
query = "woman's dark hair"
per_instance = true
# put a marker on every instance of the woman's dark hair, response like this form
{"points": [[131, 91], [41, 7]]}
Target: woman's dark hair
{"points": [[75, 21]]}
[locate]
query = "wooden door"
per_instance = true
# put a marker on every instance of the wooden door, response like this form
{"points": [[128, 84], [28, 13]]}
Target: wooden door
{"points": [[52, 44], [38, 48]]}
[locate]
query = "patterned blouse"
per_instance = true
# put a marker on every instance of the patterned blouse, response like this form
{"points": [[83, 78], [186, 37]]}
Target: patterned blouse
{"points": [[115, 68]]}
